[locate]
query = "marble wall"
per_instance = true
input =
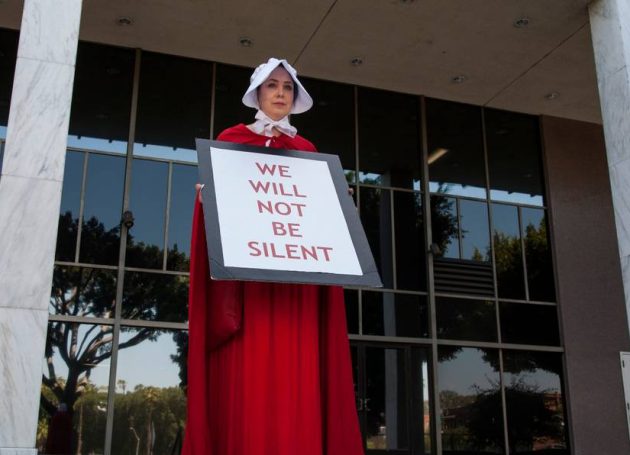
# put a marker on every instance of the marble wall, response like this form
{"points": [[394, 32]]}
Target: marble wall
{"points": [[610, 29], [30, 194]]}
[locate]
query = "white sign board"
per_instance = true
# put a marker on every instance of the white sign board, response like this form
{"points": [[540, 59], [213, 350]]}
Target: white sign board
{"points": [[277, 215]]}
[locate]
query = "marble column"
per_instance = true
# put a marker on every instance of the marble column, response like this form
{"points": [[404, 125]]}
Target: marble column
{"points": [[30, 195], [610, 29]]}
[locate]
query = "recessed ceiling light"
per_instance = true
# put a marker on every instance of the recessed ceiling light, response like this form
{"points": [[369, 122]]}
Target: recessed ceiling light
{"points": [[245, 42], [124, 21], [552, 96], [521, 22], [356, 61], [458, 79]]}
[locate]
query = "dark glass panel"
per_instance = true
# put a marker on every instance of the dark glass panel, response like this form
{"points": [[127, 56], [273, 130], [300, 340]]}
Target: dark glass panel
{"points": [[8, 57], [444, 226], [376, 217], [540, 277], [73, 405], [459, 319], [352, 310], [535, 402], [508, 251], [455, 143], [102, 210], [70, 206], [514, 157], [84, 292], [386, 404], [180, 217], [150, 402], [389, 139], [389, 314], [470, 400], [475, 234], [155, 297], [173, 106], [101, 98], [330, 123], [232, 81], [524, 323], [147, 201], [411, 272]]}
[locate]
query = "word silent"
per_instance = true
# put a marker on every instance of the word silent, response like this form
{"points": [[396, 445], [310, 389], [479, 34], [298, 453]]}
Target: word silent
{"points": [[289, 251]]}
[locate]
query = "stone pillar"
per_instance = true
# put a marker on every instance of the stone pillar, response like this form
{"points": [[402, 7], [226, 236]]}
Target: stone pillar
{"points": [[610, 29], [30, 195]]}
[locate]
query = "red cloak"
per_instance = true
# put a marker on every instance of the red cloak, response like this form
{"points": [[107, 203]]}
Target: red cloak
{"points": [[269, 369]]}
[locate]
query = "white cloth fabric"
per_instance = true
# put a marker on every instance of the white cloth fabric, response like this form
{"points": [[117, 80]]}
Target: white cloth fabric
{"points": [[302, 101], [265, 125]]}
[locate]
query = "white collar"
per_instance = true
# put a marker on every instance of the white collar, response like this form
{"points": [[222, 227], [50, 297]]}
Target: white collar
{"points": [[265, 125]]}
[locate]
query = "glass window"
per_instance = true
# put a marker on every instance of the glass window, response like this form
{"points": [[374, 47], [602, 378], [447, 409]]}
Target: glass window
{"points": [[147, 201], [70, 207], [100, 229], [174, 105], [445, 226], [232, 81], [150, 402], [526, 323], [389, 314], [470, 400], [101, 98], [376, 217], [155, 297], [73, 404], [409, 238], [183, 182], [459, 319], [8, 57], [393, 421], [540, 277], [455, 144], [508, 251], [389, 139], [534, 402], [514, 157], [330, 123], [351, 299], [84, 292], [475, 234]]}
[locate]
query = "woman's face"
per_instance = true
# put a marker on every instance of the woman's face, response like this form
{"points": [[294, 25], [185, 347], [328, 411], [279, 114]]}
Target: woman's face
{"points": [[275, 95]]}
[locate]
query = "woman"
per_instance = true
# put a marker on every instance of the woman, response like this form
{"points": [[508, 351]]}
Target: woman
{"points": [[268, 363]]}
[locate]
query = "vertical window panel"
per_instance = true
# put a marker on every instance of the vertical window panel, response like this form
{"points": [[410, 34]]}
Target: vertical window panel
{"points": [[351, 299], [526, 323], [173, 106], [70, 206], [475, 233], [101, 98], [409, 238], [8, 57], [147, 201], [508, 251], [455, 144], [232, 81], [389, 314], [389, 139], [155, 297], [514, 157], [534, 402], [470, 400], [73, 404], [445, 226], [540, 277], [83, 292], [376, 218], [100, 230], [459, 319], [180, 217], [150, 402]]}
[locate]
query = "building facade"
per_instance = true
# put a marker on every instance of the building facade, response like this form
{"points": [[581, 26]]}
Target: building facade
{"points": [[502, 316]]}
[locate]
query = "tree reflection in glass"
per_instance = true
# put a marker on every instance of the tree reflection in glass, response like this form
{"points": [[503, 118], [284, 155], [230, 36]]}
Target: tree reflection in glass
{"points": [[535, 405], [376, 219], [508, 251], [444, 226], [540, 277], [83, 292], [470, 401], [459, 319], [155, 297], [150, 405]]}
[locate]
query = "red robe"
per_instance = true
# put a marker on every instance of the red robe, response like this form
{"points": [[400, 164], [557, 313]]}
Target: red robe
{"points": [[269, 369]]}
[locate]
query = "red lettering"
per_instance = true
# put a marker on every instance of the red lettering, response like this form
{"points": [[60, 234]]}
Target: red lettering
{"points": [[278, 228], [292, 249], [258, 186], [297, 193], [254, 246], [312, 252], [273, 251], [325, 249], [264, 169], [266, 206], [284, 171], [293, 229]]}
